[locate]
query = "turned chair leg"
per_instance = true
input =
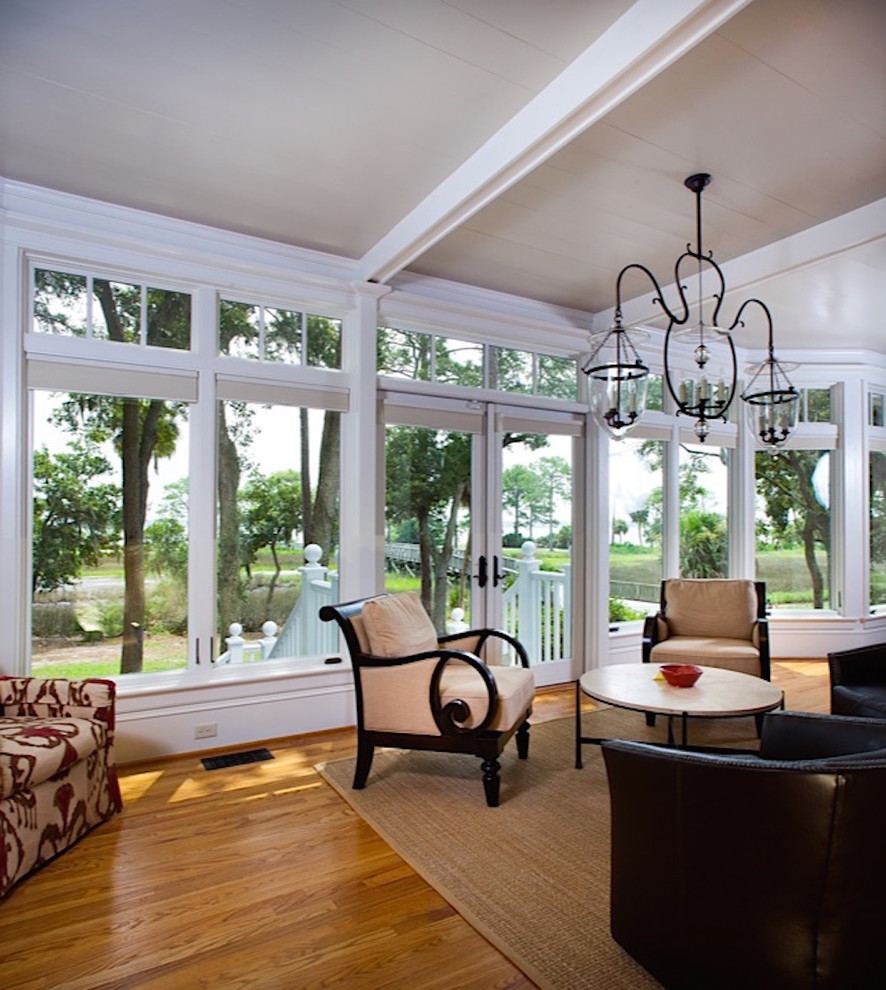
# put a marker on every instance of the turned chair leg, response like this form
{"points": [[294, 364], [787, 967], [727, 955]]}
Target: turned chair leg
{"points": [[491, 781], [523, 741], [365, 752]]}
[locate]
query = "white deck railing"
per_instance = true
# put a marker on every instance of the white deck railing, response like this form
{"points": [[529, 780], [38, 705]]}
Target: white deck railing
{"points": [[536, 609]]}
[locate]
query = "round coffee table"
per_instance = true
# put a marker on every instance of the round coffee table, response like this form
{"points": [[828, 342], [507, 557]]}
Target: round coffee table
{"points": [[716, 694]]}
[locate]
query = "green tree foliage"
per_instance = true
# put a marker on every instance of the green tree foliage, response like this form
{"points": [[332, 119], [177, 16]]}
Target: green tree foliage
{"points": [[619, 530], [785, 483], [522, 490], [704, 544], [75, 515], [555, 480], [271, 511], [428, 480], [640, 518], [168, 549]]}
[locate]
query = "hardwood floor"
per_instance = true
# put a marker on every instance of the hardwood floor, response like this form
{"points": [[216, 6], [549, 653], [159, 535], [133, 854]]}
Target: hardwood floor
{"points": [[258, 877]]}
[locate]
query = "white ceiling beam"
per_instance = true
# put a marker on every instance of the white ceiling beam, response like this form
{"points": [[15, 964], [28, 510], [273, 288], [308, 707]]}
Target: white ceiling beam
{"points": [[639, 45]]}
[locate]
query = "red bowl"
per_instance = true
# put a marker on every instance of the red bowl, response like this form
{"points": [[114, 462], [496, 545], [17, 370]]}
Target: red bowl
{"points": [[681, 674]]}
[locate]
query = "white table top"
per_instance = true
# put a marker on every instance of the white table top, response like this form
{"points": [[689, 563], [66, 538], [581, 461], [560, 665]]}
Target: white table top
{"points": [[717, 692]]}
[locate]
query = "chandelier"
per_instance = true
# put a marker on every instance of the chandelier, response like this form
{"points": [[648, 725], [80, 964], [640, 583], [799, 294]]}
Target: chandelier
{"points": [[705, 393]]}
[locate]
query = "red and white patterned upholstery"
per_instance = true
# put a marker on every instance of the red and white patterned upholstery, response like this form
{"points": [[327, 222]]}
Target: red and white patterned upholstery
{"points": [[57, 775]]}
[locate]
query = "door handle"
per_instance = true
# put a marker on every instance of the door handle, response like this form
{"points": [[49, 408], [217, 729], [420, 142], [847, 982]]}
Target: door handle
{"points": [[497, 575], [483, 576]]}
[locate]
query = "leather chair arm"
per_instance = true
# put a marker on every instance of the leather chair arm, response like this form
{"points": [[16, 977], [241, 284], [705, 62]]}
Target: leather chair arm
{"points": [[862, 667], [811, 736]]}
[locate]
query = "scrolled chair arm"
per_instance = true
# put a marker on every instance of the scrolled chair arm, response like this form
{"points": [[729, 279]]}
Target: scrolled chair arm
{"points": [[481, 636]]}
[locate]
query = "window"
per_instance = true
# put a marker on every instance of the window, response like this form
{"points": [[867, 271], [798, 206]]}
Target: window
{"points": [[122, 484], [278, 335], [876, 409], [420, 356], [278, 492], [793, 524], [94, 308], [704, 540], [635, 544], [878, 528], [109, 562]]}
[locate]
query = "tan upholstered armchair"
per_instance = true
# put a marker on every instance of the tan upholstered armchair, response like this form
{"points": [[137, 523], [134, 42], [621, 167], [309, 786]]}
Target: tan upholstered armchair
{"points": [[712, 622], [415, 690]]}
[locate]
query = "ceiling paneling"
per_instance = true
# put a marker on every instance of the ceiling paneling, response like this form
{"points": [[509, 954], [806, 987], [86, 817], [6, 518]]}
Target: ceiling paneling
{"points": [[328, 123]]}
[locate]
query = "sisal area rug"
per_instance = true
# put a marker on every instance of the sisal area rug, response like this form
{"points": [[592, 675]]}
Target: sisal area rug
{"points": [[532, 876]]}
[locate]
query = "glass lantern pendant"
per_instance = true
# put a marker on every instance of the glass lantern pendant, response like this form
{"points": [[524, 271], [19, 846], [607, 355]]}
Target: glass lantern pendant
{"points": [[617, 380]]}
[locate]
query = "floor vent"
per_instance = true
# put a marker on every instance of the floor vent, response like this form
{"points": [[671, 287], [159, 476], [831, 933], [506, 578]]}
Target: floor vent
{"points": [[236, 759]]}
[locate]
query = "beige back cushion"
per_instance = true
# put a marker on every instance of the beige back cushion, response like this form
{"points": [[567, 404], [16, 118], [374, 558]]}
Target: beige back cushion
{"points": [[398, 626], [711, 607]]}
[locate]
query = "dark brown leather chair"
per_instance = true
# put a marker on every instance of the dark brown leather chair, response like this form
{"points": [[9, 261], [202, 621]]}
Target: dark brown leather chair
{"points": [[764, 871], [417, 690], [858, 681]]}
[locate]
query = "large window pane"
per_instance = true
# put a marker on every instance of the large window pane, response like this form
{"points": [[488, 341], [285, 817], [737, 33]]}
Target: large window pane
{"points": [[278, 499], [428, 518], [536, 525], [793, 523], [704, 541], [878, 528], [635, 506], [109, 563]]}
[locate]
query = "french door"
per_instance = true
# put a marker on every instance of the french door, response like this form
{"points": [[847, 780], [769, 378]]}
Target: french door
{"points": [[479, 507]]}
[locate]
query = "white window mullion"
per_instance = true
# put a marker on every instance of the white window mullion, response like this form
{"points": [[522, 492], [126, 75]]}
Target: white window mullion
{"points": [[201, 506]]}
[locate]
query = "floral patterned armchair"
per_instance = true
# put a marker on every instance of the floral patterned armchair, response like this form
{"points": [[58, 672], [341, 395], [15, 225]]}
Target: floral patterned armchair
{"points": [[57, 775]]}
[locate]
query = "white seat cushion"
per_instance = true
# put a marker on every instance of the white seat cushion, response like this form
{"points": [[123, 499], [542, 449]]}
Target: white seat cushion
{"points": [[397, 699]]}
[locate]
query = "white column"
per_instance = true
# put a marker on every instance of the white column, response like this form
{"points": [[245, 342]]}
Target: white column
{"points": [[362, 481], [742, 522], [13, 515], [850, 513]]}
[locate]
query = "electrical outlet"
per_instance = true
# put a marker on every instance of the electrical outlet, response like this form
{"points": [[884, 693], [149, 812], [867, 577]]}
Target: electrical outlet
{"points": [[206, 731]]}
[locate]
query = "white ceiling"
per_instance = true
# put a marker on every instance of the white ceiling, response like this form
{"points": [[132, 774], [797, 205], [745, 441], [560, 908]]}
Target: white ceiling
{"points": [[526, 147]]}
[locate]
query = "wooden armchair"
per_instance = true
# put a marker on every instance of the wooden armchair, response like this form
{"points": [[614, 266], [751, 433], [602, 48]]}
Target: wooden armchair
{"points": [[712, 622], [415, 690]]}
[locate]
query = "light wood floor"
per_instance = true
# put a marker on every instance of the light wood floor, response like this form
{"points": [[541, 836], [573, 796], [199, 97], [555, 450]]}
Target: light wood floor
{"points": [[258, 877]]}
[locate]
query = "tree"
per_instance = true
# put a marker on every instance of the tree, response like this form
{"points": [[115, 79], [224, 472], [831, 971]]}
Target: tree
{"points": [[428, 475], [619, 529], [271, 512], [75, 517], [555, 477], [521, 487], [640, 517]]}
